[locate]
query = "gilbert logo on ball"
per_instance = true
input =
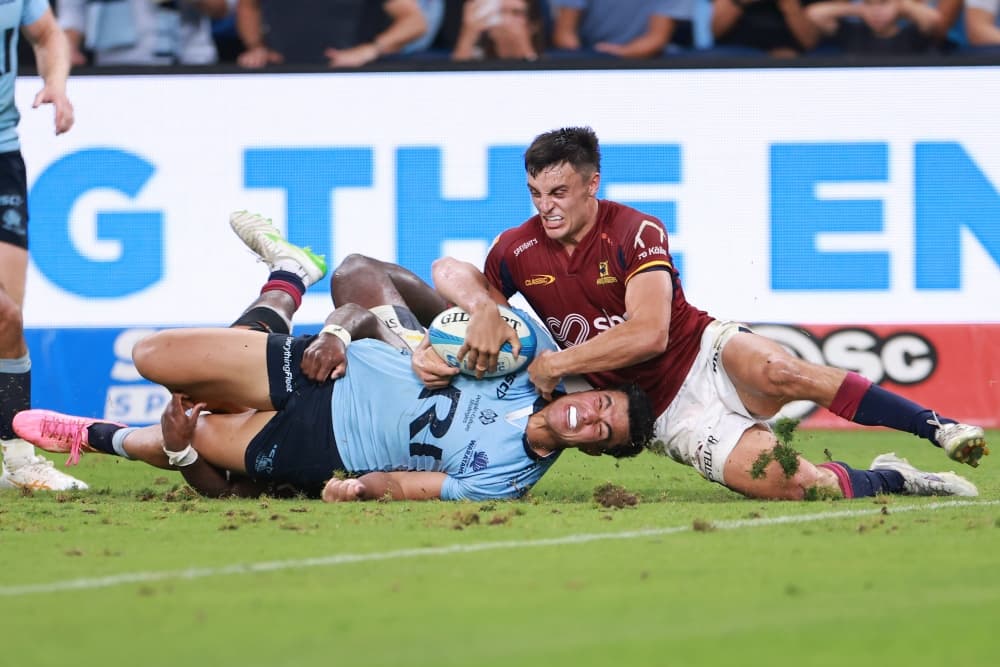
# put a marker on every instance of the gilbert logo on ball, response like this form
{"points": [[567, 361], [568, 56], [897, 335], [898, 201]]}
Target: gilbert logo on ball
{"points": [[447, 335]]}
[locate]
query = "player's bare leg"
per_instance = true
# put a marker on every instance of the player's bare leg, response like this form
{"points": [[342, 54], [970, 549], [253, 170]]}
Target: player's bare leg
{"points": [[398, 297], [767, 377], [22, 467]]}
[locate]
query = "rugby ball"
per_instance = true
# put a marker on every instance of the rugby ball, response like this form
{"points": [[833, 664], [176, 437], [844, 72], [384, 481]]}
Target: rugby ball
{"points": [[447, 335]]}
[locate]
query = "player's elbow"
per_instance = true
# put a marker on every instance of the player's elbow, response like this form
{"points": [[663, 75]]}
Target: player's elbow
{"points": [[652, 341], [445, 271]]}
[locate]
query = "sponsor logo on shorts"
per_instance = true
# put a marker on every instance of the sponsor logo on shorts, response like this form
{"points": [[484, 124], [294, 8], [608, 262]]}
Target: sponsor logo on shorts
{"points": [[11, 199], [524, 246], [487, 417], [286, 363], [706, 454], [12, 221], [264, 463], [539, 279], [604, 277]]}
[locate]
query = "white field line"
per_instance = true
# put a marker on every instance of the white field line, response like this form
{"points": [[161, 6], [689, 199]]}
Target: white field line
{"points": [[344, 559]]}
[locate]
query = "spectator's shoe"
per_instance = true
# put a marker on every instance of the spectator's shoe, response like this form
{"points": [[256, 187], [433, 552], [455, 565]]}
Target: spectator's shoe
{"points": [[920, 483], [264, 239], [56, 432], [962, 442], [36, 473]]}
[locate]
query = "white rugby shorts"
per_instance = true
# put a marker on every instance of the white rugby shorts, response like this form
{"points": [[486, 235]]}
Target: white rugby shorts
{"points": [[706, 419]]}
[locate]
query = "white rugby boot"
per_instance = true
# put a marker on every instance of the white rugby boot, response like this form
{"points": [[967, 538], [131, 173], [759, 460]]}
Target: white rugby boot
{"points": [[919, 483], [23, 469], [263, 238], [962, 442]]}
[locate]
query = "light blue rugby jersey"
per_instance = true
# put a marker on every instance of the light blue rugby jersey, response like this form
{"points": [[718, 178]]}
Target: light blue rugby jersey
{"points": [[13, 14], [385, 419]]}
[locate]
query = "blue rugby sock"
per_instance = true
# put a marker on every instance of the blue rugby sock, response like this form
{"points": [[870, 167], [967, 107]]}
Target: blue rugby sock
{"points": [[880, 407], [863, 483]]}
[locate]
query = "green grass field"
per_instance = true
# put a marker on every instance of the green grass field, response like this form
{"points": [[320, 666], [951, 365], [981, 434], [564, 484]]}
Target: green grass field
{"points": [[139, 571]]}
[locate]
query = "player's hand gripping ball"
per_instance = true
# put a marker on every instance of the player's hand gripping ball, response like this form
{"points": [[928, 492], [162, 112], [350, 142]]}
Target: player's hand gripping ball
{"points": [[447, 335]]}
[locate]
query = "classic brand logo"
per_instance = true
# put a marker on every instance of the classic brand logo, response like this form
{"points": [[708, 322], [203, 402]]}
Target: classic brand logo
{"points": [[539, 279], [604, 277]]}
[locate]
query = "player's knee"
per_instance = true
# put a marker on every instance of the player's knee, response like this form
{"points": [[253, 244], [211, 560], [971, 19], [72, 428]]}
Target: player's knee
{"points": [[147, 354], [11, 321], [357, 265], [783, 373]]}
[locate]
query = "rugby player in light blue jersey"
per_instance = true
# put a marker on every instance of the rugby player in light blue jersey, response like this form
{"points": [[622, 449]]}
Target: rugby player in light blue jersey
{"points": [[22, 468], [319, 405]]}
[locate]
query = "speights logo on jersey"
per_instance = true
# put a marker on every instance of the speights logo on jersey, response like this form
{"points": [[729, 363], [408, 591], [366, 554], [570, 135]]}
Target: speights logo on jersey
{"points": [[604, 277], [539, 279]]}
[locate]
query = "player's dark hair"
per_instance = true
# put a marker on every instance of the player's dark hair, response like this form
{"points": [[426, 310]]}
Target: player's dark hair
{"points": [[577, 146], [640, 420]]}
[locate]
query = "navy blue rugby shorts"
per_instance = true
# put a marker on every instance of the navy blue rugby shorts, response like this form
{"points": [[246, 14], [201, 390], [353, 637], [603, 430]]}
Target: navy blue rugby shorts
{"points": [[13, 200], [297, 446]]}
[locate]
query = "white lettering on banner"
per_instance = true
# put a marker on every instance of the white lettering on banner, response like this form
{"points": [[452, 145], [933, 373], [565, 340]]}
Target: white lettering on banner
{"points": [[136, 404], [765, 242]]}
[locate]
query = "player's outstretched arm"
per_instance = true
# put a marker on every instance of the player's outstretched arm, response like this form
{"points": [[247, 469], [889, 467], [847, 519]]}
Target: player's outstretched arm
{"points": [[398, 485]]}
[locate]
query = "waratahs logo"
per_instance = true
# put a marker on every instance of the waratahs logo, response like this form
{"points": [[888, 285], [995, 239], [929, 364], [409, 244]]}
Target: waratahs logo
{"points": [[487, 417], [479, 461]]}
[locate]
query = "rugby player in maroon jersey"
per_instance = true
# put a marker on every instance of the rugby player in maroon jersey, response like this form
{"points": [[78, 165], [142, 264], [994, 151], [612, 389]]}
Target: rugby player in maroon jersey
{"points": [[600, 276]]}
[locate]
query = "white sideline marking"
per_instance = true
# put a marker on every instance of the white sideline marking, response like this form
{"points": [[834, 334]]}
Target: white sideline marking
{"points": [[343, 559]]}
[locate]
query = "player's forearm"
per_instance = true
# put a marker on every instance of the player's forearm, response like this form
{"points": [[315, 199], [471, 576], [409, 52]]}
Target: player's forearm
{"points": [[359, 322], [624, 345], [52, 58]]}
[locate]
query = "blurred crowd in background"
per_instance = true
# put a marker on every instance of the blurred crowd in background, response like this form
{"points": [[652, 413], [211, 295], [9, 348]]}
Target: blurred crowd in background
{"points": [[256, 34]]}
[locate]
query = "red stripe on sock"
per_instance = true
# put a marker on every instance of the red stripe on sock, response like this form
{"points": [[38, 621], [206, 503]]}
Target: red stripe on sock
{"points": [[852, 390], [283, 286], [842, 478]]}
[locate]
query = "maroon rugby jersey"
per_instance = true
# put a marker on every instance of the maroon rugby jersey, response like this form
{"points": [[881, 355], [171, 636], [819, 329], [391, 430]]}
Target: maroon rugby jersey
{"points": [[580, 296]]}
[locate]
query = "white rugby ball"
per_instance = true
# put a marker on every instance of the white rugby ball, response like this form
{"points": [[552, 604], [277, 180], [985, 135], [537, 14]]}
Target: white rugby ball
{"points": [[447, 335]]}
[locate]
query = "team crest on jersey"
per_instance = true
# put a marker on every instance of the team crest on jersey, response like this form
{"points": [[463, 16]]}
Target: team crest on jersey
{"points": [[539, 279], [604, 277], [487, 417]]}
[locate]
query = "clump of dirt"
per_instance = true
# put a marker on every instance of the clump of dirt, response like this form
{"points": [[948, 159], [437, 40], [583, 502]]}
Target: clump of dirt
{"points": [[612, 495]]}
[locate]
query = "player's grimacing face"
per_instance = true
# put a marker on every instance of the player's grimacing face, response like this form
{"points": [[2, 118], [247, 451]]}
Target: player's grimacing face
{"points": [[565, 200], [593, 421]]}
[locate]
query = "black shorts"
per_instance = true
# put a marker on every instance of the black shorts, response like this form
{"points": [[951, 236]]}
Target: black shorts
{"points": [[13, 200], [296, 448]]}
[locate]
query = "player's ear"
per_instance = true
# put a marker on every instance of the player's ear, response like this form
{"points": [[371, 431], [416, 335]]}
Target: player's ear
{"points": [[595, 184]]}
